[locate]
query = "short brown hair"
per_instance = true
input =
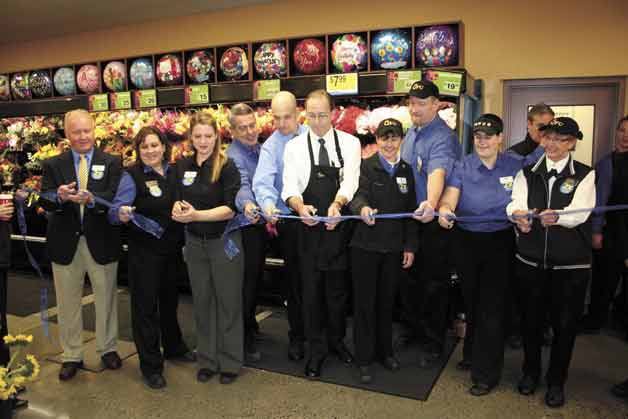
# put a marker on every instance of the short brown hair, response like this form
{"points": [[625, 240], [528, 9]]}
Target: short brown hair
{"points": [[320, 94], [140, 137], [539, 109], [239, 109], [621, 121]]}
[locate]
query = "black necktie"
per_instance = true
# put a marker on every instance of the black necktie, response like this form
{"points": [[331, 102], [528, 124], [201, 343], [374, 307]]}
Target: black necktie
{"points": [[323, 157], [551, 173]]}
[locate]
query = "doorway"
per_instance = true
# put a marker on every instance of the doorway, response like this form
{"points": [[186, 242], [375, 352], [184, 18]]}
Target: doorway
{"points": [[595, 103]]}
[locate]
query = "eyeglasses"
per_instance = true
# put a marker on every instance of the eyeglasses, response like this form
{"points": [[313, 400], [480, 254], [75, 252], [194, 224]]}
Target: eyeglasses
{"points": [[319, 116], [251, 127]]}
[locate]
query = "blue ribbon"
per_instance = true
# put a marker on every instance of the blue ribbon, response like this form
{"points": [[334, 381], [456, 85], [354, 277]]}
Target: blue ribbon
{"points": [[146, 224], [43, 300], [241, 221]]}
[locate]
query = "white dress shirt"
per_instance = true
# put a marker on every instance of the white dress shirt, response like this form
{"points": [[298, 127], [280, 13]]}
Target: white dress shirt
{"points": [[296, 158], [584, 197]]}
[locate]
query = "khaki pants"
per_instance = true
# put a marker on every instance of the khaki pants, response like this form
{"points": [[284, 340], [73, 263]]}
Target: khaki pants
{"points": [[69, 280]]}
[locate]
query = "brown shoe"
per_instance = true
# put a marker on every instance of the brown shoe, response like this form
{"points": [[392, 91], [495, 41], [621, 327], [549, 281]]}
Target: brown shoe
{"points": [[69, 370], [111, 360]]}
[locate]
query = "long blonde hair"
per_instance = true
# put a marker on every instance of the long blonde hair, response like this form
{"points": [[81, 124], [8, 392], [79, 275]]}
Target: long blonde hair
{"points": [[218, 157]]}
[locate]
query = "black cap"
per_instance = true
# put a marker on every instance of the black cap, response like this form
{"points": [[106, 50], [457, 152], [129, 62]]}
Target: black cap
{"points": [[423, 89], [489, 124], [563, 126], [389, 126]]}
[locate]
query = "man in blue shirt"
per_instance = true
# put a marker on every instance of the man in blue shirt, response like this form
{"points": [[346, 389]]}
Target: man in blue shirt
{"points": [[610, 230], [267, 186], [431, 148], [244, 151]]}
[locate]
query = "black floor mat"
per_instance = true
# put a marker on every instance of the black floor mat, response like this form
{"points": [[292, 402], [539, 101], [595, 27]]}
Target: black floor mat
{"points": [[410, 381]]}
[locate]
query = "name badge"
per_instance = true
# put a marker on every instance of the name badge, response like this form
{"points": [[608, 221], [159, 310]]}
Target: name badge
{"points": [[568, 185], [98, 171], [188, 178], [506, 182], [402, 183], [153, 188]]}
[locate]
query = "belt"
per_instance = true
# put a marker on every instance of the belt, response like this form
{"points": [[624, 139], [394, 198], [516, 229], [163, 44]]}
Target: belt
{"points": [[553, 267], [201, 236]]}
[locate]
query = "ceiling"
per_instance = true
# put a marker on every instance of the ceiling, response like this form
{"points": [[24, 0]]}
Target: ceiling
{"points": [[32, 20]]}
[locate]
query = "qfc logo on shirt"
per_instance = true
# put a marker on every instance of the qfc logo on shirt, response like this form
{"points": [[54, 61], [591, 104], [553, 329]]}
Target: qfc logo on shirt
{"points": [[98, 171], [153, 188], [402, 183], [188, 178], [568, 185], [506, 182]]}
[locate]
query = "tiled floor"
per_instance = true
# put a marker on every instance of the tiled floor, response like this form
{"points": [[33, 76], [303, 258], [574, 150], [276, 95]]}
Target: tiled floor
{"points": [[599, 362]]}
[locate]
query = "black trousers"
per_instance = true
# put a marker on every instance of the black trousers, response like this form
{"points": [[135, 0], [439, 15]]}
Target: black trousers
{"points": [[154, 302], [291, 277], [254, 244], [436, 261], [375, 277], [484, 265], [5, 354], [607, 270], [325, 297], [560, 293]]}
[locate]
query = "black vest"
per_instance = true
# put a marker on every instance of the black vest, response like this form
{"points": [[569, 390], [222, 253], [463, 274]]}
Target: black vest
{"points": [[154, 199], [555, 246]]}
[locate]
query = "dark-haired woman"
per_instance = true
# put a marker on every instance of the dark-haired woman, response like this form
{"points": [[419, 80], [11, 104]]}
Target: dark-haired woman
{"points": [[149, 188]]}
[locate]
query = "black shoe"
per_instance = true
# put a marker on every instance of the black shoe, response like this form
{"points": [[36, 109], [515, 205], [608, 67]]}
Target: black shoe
{"points": [[20, 389], [365, 374], [19, 403], [515, 342], [296, 351], [527, 385], [480, 389], [250, 351], [204, 375], [620, 390], [464, 365], [69, 370], [186, 357], [313, 368], [155, 381], [391, 363], [342, 353], [227, 377], [555, 396], [111, 360]]}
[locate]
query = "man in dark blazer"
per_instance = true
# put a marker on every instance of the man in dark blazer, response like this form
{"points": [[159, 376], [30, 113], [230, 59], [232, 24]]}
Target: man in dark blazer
{"points": [[80, 240]]}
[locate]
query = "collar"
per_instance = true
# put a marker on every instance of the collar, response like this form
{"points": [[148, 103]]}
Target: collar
{"points": [[148, 169], [383, 160], [419, 129], [328, 137], [559, 165], [477, 163], [76, 156], [250, 149], [549, 165]]}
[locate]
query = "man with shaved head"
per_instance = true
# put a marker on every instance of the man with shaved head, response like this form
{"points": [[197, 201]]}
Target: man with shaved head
{"points": [[267, 186], [80, 240]]}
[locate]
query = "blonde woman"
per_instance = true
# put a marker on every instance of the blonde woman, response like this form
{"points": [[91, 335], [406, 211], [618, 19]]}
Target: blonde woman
{"points": [[208, 183]]}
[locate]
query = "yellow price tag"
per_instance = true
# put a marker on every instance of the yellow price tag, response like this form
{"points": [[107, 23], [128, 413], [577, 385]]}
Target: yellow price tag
{"points": [[342, 84], [98, 103], [120, 100], [197, 94], [145, 98]]}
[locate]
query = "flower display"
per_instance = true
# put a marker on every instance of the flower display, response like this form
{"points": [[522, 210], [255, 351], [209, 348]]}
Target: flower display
{"points": [[16, 373]]}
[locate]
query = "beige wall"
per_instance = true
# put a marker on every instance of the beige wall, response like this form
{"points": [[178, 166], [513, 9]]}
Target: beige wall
{"points": [[504, 39]]}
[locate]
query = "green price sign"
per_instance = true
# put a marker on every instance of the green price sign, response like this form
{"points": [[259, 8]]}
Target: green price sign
{"points": [[197, 94], [449, 83], [342, 84], [98, 103], [145, 98], [266, 89], [401, 81], [120, 100]]}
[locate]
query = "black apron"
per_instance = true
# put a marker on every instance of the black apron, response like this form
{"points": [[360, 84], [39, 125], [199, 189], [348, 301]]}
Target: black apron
{"points": [[321, 249]]}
